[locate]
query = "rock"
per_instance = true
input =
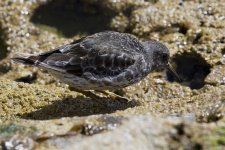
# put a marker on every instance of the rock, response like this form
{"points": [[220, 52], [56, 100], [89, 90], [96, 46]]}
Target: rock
{"points": [[162, 113]]}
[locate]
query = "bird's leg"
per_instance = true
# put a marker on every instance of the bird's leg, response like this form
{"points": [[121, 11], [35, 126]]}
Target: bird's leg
{"points": [[96, 97], [86, 93], [112, 95]]}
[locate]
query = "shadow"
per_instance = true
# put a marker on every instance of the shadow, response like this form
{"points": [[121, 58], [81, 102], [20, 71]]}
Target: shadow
{"points": [[3, 47], [5, 66], [79, 106], [30, 78], [192, 68], [223, 51], [68, 18]]}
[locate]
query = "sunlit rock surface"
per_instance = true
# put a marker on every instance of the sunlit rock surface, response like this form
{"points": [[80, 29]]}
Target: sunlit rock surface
{"points": [[39, 112]]}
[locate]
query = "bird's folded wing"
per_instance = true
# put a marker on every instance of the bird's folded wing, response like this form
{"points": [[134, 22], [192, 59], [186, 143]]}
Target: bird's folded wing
{"points": [[94, 54]]}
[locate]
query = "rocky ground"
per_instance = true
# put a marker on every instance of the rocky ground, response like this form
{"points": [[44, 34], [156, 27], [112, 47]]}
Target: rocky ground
{"points": [[39, 112]]}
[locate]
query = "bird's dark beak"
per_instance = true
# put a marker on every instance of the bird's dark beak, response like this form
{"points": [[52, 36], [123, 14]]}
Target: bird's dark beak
{"points": [[171, 69]]}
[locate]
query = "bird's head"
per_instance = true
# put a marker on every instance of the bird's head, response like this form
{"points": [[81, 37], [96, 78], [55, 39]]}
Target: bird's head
{"points": [[157, 53]]}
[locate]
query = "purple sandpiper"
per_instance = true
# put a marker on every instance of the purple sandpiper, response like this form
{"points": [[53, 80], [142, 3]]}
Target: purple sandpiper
{"points": [[102, 61]]}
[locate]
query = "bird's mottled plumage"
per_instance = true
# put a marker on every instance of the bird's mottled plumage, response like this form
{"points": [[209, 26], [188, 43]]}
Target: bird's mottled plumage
{"points": [[102, 61]]}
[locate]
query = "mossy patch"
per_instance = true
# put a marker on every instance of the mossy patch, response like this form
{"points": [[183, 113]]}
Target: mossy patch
{"points": [[217, 139], [221, 136], [7, 130]]}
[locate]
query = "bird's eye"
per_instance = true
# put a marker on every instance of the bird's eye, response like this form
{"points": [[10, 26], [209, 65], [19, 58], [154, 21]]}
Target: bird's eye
{"points": [[165, 57]]}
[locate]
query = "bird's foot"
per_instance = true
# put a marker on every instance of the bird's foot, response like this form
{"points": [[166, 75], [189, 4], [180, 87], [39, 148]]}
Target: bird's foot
{"points": [[89, 94], [113, 96], [97, 98]]}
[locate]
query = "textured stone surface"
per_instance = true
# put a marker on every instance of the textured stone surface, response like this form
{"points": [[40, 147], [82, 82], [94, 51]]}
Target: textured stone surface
{"points": [[161, 114]]}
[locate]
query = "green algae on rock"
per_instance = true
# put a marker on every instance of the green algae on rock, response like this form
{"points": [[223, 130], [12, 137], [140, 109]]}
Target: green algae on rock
{"points": [[8, 130]]}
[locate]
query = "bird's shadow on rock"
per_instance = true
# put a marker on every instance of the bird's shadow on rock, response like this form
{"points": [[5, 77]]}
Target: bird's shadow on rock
{"points": [[79, 106]]}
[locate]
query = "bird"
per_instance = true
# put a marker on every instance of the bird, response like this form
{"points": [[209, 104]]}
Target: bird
{"points": [[101, 62]]}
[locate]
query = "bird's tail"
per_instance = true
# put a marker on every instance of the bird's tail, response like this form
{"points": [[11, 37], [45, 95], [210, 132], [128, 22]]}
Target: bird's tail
{"points": [[26, 59]]}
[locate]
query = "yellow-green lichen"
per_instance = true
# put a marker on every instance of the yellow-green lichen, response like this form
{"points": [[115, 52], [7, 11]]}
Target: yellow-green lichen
{"points": [[217, 139]]}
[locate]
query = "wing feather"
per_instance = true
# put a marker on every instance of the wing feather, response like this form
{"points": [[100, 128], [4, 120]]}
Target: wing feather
{"points": [[104, 54]]}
